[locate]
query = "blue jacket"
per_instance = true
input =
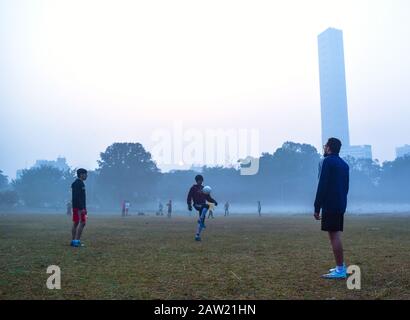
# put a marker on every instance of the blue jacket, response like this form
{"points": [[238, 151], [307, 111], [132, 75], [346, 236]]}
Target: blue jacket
{"points": [[333, 187]]}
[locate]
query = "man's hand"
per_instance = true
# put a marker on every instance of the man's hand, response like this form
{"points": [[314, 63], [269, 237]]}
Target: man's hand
{"points": [[216, 203], [190, 207], [317, 216]]}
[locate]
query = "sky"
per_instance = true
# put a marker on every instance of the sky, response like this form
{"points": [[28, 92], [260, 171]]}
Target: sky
{"points": [[76, 76]]}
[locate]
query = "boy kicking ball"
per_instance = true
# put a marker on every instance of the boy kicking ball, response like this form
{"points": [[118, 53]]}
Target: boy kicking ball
{"points": [[79, 207], [199, 196]]}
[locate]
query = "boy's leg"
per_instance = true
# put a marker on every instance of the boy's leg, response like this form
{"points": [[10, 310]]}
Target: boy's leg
{"points": [[202, 214], [76, 222], [337, 246], [80, 230], [81, 225], [199, 229], [204, 210], [74, 230]]}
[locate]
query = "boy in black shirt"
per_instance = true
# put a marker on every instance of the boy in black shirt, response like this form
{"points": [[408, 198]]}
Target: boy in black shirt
{"points": [[200, 196], [79, 207]]}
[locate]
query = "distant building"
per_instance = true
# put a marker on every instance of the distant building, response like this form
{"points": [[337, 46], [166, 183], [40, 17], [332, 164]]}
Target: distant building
{"points": [[358, 152], [60, 163], [333, 96], [403, 151]]}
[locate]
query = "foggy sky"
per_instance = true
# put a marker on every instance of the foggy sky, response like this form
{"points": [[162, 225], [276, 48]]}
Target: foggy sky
{"points": [[76, 76]]}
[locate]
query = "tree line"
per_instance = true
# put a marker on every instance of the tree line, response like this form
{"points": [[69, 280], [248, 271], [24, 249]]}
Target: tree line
{"points": [[127, 171]]}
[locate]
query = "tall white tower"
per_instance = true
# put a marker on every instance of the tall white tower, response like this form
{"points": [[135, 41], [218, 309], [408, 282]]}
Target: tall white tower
{"points": [[335, 121]]}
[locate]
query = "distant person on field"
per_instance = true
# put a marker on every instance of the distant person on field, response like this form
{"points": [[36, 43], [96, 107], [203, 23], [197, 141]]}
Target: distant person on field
{"points": [[160, 209], [259, 209], [169, 205], [69, 208], [226, 209], [331, 202], [123, 208], [79, 207], [127, 207], [211, 210]]}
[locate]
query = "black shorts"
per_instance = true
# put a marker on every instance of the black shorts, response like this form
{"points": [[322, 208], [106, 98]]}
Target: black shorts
{"points": [[332, 222]]}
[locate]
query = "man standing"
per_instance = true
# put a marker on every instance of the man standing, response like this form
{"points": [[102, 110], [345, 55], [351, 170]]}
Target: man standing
{"points": [[69, 208], [127, 207], [79, 207], [123, 208], [331, 199], [226, 209], [259, 209], [169, 205], [210, 210]]}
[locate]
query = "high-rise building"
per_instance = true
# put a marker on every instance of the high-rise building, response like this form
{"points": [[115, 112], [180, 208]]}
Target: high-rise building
{"points": [[358, 152], [333, 96], [403, 151], [60, 164]]}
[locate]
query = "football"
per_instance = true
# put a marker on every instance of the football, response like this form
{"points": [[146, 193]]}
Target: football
{"points": [[207, 190]]}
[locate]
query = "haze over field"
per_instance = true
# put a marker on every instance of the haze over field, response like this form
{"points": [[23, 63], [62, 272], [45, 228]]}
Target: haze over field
{"points": [[77, 76]]}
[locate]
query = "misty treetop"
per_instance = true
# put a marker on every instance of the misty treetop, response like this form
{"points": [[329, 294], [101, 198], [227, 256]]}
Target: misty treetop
{"points": [[126, 171], [44, 186], [4, 181]]}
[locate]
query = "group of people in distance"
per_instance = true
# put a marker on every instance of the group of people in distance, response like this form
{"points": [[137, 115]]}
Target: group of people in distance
{"points": [[329, 205], [125, 207], [160, 211]]}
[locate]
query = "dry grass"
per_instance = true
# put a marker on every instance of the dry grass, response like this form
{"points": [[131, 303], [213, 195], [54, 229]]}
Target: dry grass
{"points": [[278, 257]]}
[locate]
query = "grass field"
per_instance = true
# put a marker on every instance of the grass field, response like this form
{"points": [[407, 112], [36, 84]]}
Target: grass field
{"points": [[279, 257]]}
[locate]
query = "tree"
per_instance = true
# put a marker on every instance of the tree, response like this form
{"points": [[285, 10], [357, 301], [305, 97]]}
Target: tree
{"points": [[289, 176], [395, 180], [4, 181], [292, 172], [364, 179], [126, 171], [8, 199], [44, 186]]}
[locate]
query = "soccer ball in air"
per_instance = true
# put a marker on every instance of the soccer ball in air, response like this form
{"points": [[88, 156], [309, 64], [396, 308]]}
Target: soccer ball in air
{"points": [[207, 190]]}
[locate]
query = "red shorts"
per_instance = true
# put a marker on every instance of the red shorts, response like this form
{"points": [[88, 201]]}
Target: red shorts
{"points": [[79, 215]]}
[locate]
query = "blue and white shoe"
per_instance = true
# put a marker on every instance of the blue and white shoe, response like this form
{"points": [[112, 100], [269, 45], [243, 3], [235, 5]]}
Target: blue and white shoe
{"points": [[197, 237], [77, 244], [72, 243], [336, 274], [335, 268]]}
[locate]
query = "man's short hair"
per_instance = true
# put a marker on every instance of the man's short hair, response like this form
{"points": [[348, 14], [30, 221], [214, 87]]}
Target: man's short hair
{"points": [[334, 145], [199, 178], [81, 171]]}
